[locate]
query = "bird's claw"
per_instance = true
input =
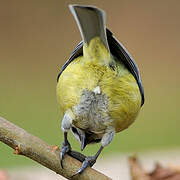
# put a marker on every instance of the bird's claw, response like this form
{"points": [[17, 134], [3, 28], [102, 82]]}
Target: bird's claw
{"points": [[77, 155], [66, 147], [89, 161]]}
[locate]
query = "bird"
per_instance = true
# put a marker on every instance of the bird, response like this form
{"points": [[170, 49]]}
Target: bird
{"points": [[99, 88]]}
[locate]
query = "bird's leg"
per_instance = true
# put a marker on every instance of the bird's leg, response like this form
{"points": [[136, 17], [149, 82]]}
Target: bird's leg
{"points": [[90, 160], [66, 147], [66, 125]]}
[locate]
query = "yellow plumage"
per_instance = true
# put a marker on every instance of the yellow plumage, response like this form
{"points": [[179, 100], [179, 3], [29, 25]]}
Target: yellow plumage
{"points": [[99, 88], [91, 70]]}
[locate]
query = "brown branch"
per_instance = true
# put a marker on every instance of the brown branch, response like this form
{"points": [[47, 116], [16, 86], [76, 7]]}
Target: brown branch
{"points": [[30, 146]]}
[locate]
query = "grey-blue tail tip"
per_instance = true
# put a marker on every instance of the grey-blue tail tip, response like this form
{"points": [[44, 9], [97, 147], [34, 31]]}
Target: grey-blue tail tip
{"points": [[90, 7], [91, 22]]}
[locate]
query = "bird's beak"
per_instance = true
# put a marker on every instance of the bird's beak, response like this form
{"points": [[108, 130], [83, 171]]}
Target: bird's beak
{"points": [[83, 141]]}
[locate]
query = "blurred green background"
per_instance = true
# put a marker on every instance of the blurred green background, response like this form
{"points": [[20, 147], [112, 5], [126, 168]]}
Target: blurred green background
{"points": [[36, 38]]}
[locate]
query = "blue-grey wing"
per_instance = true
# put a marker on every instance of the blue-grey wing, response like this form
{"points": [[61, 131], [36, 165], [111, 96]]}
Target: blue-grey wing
{"points": [[120, 52], [78, 51]]}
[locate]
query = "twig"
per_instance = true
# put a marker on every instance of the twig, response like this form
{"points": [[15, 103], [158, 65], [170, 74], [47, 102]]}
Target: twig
{"points": [[30, 146]]}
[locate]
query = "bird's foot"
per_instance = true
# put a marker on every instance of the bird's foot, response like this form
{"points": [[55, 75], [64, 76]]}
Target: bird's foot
{"points": [[77, 155], [66, 148], [89, 161]]}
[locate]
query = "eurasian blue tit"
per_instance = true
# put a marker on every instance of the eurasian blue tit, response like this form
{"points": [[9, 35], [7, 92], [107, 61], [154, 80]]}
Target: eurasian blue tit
{"points": [[99, 88]]}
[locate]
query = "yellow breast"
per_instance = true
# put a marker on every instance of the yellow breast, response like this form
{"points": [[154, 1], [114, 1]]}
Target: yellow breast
{"points": [[119, 85]]}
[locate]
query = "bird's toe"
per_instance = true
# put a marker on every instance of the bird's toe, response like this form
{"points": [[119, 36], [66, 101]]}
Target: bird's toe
{"points": [[66, 147], [88, 162]]}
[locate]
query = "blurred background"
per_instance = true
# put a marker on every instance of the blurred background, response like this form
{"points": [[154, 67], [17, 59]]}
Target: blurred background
{"points": [[37, 37]]}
